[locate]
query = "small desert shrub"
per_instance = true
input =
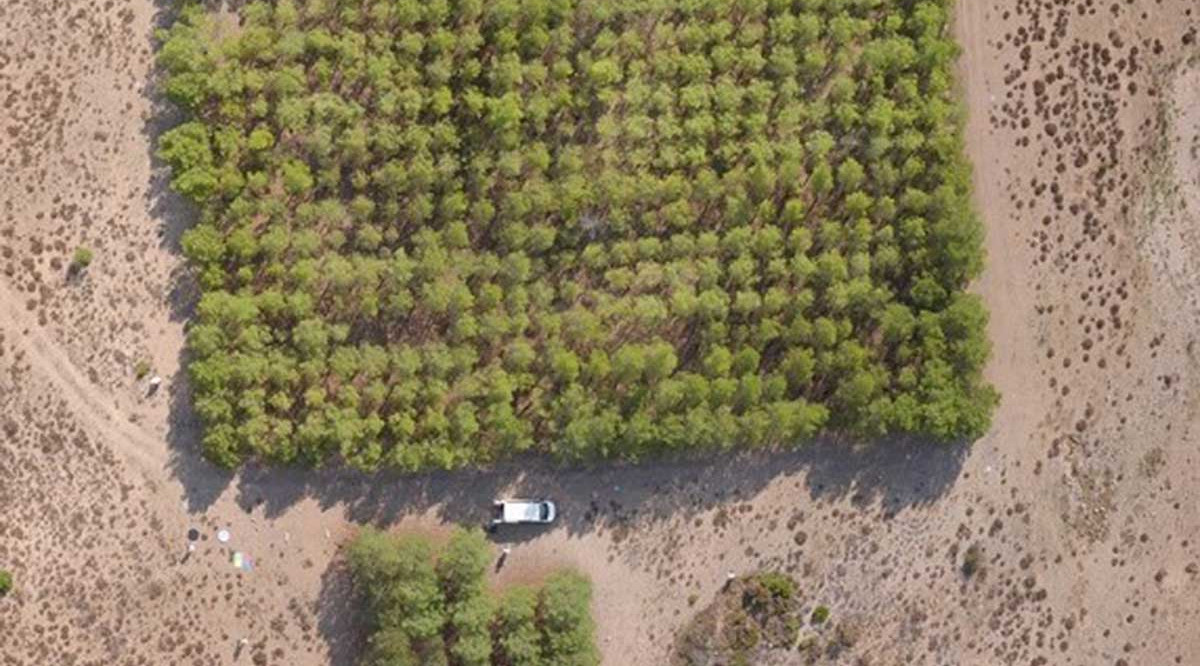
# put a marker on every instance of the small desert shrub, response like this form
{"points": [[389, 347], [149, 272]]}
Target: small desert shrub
{"points": [[141, 369], [5, 582], [847, 633], [972, 560], [809, 645], [820, 614], [742, 632], [792, 625], [779, 585], [82, 258]]}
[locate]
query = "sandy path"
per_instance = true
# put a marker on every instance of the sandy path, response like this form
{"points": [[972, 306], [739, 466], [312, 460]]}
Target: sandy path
{"points": [[86, 400]]}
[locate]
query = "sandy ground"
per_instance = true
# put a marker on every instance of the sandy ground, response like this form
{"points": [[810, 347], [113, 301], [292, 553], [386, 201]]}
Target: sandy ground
{"points": [[1084, 124]]}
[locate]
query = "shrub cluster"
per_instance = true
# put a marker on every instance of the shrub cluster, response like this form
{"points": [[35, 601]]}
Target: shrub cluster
{"points": [[434, 233], [753, 620], [432, 608]]}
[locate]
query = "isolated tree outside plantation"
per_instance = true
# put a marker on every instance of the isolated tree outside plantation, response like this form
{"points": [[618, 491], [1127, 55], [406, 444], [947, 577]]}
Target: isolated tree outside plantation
{"points": [[435, 235]]}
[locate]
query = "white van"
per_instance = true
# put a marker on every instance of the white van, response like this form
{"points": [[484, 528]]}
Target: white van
{"points": [[519, 511]]}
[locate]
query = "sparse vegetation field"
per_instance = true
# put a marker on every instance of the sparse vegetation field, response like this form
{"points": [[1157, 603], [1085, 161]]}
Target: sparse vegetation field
{"points": [[435, 234]]}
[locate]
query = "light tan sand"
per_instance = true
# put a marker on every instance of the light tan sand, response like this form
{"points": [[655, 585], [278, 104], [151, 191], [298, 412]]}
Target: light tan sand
{"points": [[1082, 497]]}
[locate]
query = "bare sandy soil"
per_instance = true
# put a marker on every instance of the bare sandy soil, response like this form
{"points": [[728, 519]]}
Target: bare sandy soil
{"points": [[1084, 125]]}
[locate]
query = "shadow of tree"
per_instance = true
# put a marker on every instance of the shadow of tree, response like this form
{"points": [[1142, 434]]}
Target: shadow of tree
{"points": [[339, 617], [203, 482], [898, 472]]}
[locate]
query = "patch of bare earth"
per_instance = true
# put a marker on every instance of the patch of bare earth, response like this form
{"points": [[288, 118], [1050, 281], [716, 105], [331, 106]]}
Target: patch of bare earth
{"points": [[1083, 129]]}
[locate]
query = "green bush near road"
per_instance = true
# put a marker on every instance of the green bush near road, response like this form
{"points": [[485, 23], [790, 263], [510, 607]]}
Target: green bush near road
{"points": [[435, 234]]}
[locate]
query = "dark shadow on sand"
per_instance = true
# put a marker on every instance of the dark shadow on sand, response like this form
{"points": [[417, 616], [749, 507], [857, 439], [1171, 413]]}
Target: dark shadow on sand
{"points": [[202, 481], [340, 617], [899, 473]]}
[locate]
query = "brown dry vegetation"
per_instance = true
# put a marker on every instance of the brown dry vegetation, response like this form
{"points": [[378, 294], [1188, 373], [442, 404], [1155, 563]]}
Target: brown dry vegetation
{"points": [[1083, 130]]}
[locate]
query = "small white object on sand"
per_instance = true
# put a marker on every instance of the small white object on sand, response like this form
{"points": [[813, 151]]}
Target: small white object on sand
{"points": [[223, 536], [155, 381]]}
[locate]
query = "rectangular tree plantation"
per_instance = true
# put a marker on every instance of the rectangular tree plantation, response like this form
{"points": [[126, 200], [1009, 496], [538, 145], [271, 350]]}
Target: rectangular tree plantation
{"points": [[436, 233]]}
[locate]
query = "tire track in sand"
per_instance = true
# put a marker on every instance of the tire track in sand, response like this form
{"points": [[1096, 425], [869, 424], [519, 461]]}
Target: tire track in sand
{"points": [[89, 403]]}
